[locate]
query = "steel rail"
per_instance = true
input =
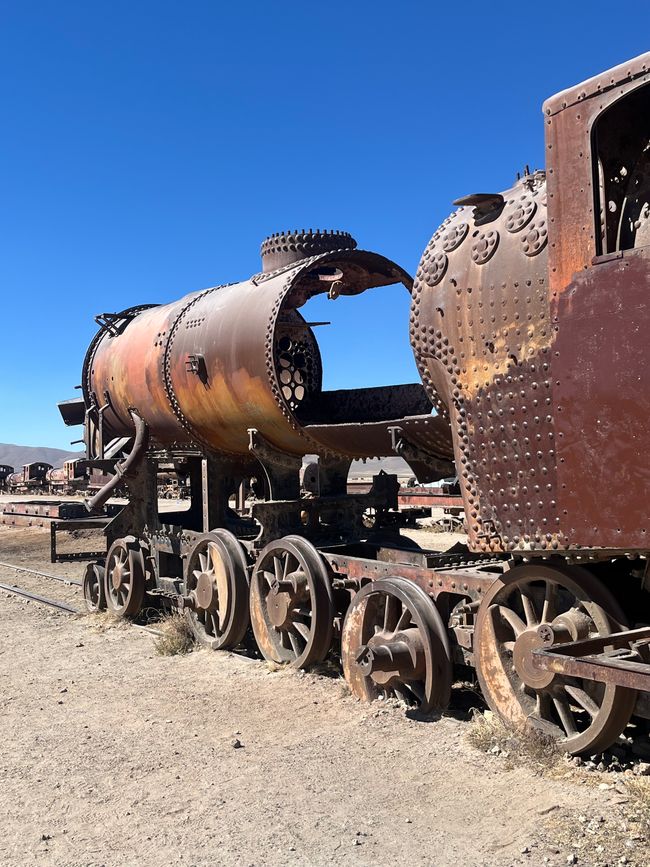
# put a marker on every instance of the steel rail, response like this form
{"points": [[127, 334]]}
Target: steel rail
{"points": [[69, 581], [43, 600], [63, 606]]}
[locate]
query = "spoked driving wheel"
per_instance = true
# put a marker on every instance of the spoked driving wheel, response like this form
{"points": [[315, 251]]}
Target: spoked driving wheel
{"points": [[533, 607], [395, 643], [93, 588], [216, 579], [124, 577], [291, 603]]}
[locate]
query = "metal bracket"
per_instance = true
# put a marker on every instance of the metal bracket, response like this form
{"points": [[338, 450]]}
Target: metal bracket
{"points": [[282, 470], [426, 467], [196, 364]]}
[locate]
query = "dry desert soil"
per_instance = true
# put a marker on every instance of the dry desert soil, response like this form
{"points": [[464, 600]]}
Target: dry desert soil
{"points": [[116, 755]]}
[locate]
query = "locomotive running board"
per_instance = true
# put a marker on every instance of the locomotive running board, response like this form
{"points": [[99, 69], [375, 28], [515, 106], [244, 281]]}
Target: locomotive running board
{"points": [[622, 658]]}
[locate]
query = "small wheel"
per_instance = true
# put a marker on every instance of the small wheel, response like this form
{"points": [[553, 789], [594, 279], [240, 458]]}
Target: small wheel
{"points": [[124, 578], [216, 577], [395, 643], [291, 605], [534, 606], [93, 588]]}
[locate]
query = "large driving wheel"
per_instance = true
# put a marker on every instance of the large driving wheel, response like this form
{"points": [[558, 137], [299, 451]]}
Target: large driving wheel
{"points": [[124, 577], [528, 608], [216, 578], [291, 605], [395, 643], [93, 588]]}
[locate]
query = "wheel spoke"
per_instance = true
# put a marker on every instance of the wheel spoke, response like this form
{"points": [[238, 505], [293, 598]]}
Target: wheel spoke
{"points": [[301, 629], [529, 608], [583, 699], [512, 618], [391, 612], [550, 599], [286, 571], [404, 619], [402, 693], [566, 717], [294, 643]]}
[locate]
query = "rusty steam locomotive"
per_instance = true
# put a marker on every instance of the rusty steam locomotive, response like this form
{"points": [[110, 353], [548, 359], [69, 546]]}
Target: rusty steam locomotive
{"points": [[528, 322]]}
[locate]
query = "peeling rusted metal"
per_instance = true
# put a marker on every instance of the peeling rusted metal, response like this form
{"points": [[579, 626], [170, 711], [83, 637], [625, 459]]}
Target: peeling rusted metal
{"points": [[217, 363], [534, 346]]}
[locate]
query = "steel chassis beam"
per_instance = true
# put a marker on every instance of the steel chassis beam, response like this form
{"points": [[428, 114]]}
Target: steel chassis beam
{"points": [[622, 658]]}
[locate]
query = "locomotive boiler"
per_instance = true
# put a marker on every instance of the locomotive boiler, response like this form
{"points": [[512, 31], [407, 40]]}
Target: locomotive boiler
{"points": [[529, 311], [218, 363]]}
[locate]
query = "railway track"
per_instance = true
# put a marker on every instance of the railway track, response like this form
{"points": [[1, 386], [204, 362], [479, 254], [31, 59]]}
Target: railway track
{"points": [[54, 603], [42, 600], [61, 578]]}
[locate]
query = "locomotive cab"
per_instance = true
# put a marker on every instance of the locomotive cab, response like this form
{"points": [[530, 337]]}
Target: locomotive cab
{"points": [[598, 141], [621, 163]]}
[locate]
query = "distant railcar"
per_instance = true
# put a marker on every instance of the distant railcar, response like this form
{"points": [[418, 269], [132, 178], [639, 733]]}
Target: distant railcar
{"points": [[31, 479]]}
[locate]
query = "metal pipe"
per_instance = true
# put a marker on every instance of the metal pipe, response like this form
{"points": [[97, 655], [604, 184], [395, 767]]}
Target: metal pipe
{"points": [[94, 504]]}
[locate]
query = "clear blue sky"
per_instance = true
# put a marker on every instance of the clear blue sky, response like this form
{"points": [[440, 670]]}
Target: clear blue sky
{"points": [[148, 147]]}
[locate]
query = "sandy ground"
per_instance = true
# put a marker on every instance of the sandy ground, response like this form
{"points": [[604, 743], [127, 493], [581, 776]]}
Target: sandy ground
{"points": [[115, 755]]}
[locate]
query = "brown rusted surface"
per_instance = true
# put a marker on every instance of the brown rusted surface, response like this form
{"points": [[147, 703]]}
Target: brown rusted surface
{"points": [[436, 574], [569, 119], [394, 642], [479, 324], [534, 348], [424, 497], [600, 659], [217, 363], [47, 509], [532, 606]]}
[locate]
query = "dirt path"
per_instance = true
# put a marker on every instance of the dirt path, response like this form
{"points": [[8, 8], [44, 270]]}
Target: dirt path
{"points": [[114, 755]]}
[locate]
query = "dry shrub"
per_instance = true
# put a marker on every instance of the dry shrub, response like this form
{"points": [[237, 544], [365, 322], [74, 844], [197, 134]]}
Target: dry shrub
{"points": [[176, 636], [273, 666], [344, 688], [528, 746]]}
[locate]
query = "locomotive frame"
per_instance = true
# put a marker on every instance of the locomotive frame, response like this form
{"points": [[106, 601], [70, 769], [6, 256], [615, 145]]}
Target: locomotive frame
{"points": [[508, 314]]}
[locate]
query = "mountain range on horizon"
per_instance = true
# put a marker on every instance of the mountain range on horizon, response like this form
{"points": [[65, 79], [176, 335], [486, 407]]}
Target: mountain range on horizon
{"points": [[16, 456]]}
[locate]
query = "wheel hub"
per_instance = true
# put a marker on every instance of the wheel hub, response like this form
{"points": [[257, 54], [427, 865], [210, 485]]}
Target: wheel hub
{"points": [[279, 604], [116, 576], [205, 592], [526, 643], [392, 658]]}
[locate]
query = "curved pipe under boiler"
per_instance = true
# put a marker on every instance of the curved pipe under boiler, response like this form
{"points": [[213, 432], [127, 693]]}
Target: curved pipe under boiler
{"points": [[94, 504]]}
